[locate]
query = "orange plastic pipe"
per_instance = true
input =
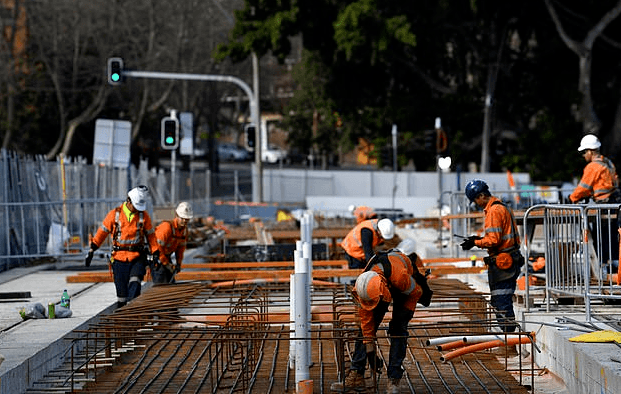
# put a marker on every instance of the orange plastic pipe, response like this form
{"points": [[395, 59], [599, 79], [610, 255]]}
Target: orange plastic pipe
{"points": [[483, 346], [451, 345]]}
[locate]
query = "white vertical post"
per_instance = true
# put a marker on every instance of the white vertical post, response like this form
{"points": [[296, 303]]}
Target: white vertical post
{"points": [[292, 342]]}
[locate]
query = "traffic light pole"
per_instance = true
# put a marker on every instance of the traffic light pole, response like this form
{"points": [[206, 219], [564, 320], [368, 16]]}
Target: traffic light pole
{"points": [[254, 104]]}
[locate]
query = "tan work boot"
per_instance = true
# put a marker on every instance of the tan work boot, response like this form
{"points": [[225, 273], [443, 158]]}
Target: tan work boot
{"points": [[393, 386], [353, 381]]}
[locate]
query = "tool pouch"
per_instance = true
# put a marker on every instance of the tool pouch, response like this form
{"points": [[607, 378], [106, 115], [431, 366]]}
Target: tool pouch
{"points": [[504, 260]]}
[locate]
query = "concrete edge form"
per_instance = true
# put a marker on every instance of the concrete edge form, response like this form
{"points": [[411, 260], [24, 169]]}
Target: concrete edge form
{"points": [[584, 367]]}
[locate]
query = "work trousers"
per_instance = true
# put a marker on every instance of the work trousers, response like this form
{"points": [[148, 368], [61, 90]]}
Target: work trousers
{"points": [[353, 262], [398, 332], [127, 279], [502, 301]]}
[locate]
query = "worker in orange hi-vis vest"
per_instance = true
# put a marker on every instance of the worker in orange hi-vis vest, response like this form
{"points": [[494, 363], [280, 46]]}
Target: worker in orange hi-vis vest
{"points": [[360, 242], [172, 236], [390, 277], [133, 243], [600, 182], [599, 179], [362, 213]]}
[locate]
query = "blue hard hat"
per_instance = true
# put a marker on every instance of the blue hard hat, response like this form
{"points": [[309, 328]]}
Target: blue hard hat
{"points": [[474, 188]]}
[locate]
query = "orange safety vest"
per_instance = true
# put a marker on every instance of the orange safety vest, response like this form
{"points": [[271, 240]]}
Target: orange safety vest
{"points": [[352, 243], [399, 273], [599, 180], [363, 213], [500, 229], [128, 238], [171, 239]]}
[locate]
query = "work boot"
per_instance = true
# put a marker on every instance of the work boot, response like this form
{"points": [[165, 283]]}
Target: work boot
{"points": [[393, 386], [353, 381]]}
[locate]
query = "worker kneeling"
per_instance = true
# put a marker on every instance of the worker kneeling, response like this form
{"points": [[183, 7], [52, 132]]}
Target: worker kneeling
{"points": [[390, 276]]}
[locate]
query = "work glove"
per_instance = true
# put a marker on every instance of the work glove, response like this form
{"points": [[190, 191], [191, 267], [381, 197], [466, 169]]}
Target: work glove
{"points": [[469, 242], [421, 280], [375, 362], [89, 255]]}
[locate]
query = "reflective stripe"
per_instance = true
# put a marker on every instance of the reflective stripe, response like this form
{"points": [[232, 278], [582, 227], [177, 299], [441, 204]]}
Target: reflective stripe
{"points": [[502, 292], [121, 299], [134, 279]]}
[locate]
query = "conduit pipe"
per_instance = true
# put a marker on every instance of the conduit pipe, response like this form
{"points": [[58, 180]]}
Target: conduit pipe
{"points": [[483, 346], [451, 345], [441, 340], [489, 337]]}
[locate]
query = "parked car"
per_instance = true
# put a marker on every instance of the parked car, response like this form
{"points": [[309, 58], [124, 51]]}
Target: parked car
{"points": [[273, 154], [232, 152]]}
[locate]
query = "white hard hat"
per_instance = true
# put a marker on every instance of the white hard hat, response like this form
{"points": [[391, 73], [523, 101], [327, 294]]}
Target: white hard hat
{"points": [[386, 228], [371, 289], [184, 210], [589, 141], [407, 246], [352, 208], [139, 196]]}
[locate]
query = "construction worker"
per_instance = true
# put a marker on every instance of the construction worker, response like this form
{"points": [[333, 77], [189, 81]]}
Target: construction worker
{"points": [[133, 242], [599, 179], [360, 242], [600, 182], [390, 276], [362, 213], [502, 241], [172, 236]]}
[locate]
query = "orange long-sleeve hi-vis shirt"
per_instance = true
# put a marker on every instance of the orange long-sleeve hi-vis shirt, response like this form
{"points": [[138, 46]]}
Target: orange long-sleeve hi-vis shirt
{"points": [[500, 228], [171, 238], [599, 180], [401, 281], [128, 232]]}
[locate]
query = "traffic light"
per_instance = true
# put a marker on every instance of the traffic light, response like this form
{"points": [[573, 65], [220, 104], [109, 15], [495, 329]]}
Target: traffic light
{"points": [[115, 70], [170, 133], [251, 135]]}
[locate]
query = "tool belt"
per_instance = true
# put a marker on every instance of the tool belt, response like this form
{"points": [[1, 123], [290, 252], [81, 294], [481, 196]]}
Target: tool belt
{"points": [[133, 248]]}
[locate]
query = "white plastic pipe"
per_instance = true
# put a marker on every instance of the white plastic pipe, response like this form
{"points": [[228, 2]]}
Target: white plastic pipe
{"points": [[443, 340], [489, 337], [292, 343], [301, 328]]}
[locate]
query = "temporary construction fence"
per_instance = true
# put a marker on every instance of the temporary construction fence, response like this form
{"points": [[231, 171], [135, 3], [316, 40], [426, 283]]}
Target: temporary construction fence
{"points": [[49, 208], [581, 252]]}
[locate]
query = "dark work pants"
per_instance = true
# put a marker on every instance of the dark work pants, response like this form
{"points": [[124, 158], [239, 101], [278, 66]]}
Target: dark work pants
{"points": [[398, 332], [502, 301], [127, 279], [353, 262]]}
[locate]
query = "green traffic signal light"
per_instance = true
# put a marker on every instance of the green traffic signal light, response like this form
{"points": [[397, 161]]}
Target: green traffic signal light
{"points": [[170, 140], [115, 70]]}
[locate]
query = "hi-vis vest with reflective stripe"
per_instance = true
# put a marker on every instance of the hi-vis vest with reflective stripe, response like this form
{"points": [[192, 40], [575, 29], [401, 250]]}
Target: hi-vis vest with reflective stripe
{"points": [[599, 180], [128, 238], [352, 243], [398, 271], [170, 239]]}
